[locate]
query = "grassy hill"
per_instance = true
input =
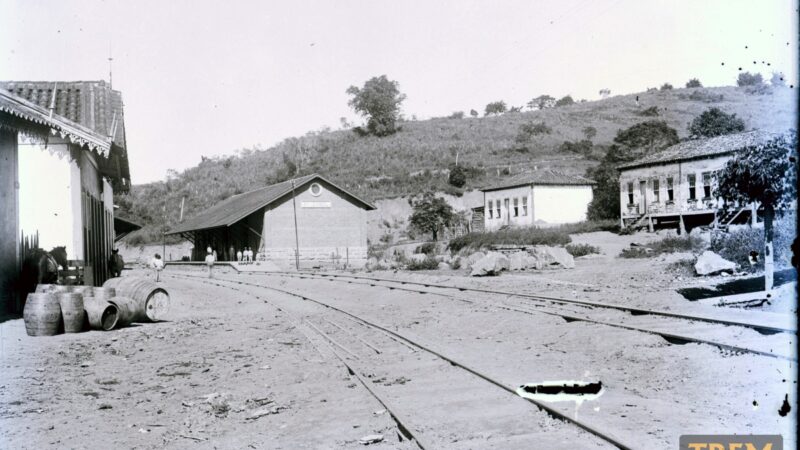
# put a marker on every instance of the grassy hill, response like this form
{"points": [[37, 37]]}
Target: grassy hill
{"points": [[416, 159]]}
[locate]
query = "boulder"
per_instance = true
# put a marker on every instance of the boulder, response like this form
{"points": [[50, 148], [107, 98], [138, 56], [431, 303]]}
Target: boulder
{"points": [[444, 266], [417, 257], [710, 263], [553, 257], [491, 264], [517, 260], [472, 259]]}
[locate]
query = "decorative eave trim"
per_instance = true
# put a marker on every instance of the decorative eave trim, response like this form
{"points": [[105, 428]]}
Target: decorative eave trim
{"points": [[59, 126]]}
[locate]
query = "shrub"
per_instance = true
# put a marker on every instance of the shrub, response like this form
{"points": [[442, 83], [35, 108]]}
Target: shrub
{"points": [[455, 264], [582, 249], [428, 263], [666, 87], [649, 112], [590, 226], [457, 177], [511, 236], [669, 244], [427, 248], [715, 122], [457, 115], [749, 79], [736, 245]]}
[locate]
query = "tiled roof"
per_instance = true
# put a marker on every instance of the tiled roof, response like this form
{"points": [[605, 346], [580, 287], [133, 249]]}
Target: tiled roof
{"points": [[542, 178], [237, 207], [20, 108], [92, 104], [701, 148]]}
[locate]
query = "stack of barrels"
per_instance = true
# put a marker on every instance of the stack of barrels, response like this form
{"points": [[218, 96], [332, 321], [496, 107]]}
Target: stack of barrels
{"points": [[71, 309]]}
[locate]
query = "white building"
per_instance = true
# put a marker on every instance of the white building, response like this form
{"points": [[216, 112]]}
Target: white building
{"points": [[674, 188], [541, 198]]}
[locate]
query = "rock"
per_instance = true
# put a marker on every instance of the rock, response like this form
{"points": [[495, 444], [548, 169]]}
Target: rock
{"points": [[371, 439], [491, 264], [444, 266], [710, 263], [553, 257], [517, 260], [418, 257], [472, 259]]}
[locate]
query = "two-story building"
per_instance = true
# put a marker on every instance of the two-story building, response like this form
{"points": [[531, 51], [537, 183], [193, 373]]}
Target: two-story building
{"points": [[674, 188], [541, 198]]}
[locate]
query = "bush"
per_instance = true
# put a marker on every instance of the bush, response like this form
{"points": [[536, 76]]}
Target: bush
{"points": [[428, 263], [427, 248], [582, 249], [670, 244], [590, 226], [511, 236], [455, 264], [694, 83], [666, 87], [649, 112], [457, 177], [736, 245], [749, 79]]}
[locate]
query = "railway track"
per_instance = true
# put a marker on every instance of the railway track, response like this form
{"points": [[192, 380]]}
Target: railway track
{"points": [[663, 325], [354, 351]]}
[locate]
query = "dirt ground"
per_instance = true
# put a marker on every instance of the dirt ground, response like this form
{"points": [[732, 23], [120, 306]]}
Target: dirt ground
{"points": [[228, 370]]}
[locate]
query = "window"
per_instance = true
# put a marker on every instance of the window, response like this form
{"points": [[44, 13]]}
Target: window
{"points": [[497, 208], [706, 185], [630, 193], [670, 191], [692, 191], [489, 209], [524, 206], [315, 189], [516, 207], [656, 191]]}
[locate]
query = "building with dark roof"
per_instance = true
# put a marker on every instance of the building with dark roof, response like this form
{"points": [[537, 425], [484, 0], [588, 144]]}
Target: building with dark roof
{"points": [[674, 188], [309, 219], [52, 187], [541, 197]]}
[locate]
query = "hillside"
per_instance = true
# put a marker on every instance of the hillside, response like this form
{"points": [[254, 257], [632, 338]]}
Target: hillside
{"points": [[416, 159]]}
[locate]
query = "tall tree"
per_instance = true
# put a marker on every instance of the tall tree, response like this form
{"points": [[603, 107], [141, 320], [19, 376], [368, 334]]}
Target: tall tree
{"points": [[749, 79], [379, 100], [565, 101], [629, 144], [431, 215], [715, 122], [766, 174], [541, 102], [694, 83]]}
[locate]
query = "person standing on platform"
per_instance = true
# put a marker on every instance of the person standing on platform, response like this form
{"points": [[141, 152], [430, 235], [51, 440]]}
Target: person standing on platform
{"points": [[210, 259], [239, 256], [157, 264]]}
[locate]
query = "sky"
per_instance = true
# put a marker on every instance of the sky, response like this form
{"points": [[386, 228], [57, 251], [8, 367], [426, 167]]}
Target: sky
{"points": [[203, 78]]}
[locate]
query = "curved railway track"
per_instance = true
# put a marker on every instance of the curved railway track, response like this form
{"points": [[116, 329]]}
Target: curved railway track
{"points": [[408, 342], [571, 316]]}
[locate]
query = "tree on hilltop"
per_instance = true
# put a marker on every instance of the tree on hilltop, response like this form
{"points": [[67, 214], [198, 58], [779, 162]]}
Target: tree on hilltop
{"points": [[694, 83], [498, 107], [715, 122], [541, 102], [565, 101], [749, 79], [379, 100]]}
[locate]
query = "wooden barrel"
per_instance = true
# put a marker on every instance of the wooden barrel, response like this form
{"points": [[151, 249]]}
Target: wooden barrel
{"points": [[71, 311], [42, 314], [129, 310], [83, 290], [104, 292], [101, 314], [152, 299], [44, 288]]}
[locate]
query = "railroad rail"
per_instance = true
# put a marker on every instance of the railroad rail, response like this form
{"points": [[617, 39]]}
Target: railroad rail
{"points": [[672, 338], [411, 343]]}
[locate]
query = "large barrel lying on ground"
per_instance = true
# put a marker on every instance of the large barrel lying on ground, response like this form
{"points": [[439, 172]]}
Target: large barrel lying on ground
{"points": [[42, 314], [102, 315], [129, 310], [151, 302], [71, 311]]}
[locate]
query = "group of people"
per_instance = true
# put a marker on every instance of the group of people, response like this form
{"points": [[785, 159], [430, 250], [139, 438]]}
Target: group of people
{"points": [[244, 256]]}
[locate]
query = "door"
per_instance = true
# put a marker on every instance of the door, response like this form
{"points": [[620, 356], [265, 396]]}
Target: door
{"points": [[507, 211], [642, 197]]}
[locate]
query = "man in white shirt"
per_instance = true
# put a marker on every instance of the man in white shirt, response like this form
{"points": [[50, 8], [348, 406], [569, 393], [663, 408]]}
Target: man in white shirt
{"points": [[210, 262], [157, 264]]}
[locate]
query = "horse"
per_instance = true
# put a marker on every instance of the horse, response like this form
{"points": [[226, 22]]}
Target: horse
{"points": [[116, 263], [41, 267]]}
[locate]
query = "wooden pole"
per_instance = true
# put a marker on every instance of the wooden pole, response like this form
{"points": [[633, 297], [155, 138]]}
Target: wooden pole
{"points": [[296, 238]]}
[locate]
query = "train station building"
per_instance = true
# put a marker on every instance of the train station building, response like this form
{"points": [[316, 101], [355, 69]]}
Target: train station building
{"points": [[308, 220]]}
